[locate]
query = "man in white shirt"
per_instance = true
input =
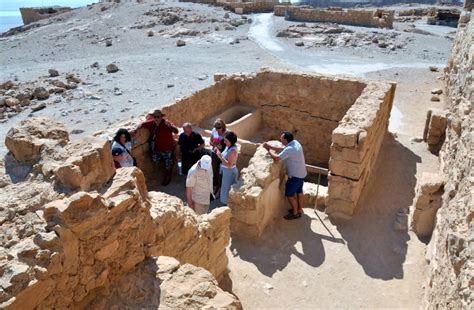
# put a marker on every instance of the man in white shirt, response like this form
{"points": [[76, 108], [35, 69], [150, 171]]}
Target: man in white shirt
{"points": [[199, 185], [292, 155]]}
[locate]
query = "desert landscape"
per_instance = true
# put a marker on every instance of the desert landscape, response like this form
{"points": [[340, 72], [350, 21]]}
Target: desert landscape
{"points": [[379, 96]]}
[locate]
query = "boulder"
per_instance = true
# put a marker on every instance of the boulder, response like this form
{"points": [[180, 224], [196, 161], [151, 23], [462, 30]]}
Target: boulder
{"points": [[150, 33], [11, 102], [112, 68], [53, 72], [437, 91], [190, 287], [40, 93], [180, 43], [435, 98], [27, 140], [88, 166], [7, 85]]}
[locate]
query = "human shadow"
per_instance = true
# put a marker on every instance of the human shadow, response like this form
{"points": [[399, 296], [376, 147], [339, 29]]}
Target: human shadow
{"points": [[370, 234], [283, 239]]}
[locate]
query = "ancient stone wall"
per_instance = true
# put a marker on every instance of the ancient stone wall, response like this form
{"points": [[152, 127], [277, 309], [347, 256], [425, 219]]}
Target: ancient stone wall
{"points": [[60, 247], [450, 277], [247, 7], [204, 102], [309, 105], [258, 196], [367, 18], [355, 146], [30, 15]]}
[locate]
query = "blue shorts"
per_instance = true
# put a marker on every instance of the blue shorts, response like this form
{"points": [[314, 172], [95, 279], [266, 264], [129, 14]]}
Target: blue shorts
{"points": [[293, 186]]}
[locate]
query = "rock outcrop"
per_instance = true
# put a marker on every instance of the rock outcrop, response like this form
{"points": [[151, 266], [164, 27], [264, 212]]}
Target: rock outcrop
{"points": [[451, 272], [27, 140], [163, 283], [89, 165]]}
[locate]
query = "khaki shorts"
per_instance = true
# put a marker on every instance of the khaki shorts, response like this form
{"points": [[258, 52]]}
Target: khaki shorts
{"points": [[200, 208]]}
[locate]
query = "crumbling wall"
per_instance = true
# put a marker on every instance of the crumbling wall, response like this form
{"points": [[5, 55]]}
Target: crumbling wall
{"points": [[60, 248], [426, 203], [309, 105], [367, 18], [258, 196], [247, 7], [450, 277], [30, 15], [355, 146]]}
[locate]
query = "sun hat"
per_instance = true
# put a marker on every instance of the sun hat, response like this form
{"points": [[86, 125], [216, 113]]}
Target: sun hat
{"points": [[206, 162]]}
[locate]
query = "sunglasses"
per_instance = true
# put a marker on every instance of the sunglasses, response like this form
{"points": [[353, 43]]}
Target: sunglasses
{"points": [[218, 127]]}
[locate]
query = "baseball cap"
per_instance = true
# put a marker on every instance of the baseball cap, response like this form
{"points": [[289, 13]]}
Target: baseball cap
{"points": [[206, 162], [116, 151]]}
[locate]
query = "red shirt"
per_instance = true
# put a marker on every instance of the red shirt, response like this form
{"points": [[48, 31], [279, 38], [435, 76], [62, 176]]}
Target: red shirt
{"points": [[164, 141]]}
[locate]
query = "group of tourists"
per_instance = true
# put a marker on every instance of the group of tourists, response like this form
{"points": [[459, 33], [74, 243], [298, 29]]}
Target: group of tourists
{"points": [[210, 172]]}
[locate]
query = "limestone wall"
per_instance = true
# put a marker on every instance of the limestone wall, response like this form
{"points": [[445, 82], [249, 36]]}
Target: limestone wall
{"points": [[61, 248], [204, 102], [258, 196], [367, 18], [309, 105], [355, 145], [451, 274], [247, 7]]}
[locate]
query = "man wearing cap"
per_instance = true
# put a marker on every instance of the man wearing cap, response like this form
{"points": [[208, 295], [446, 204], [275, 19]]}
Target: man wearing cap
{"points": [[162, 144], [199, 185]]}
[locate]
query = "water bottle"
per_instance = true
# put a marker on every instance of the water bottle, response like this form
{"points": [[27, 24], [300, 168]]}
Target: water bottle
{"points": [[180, 168]]}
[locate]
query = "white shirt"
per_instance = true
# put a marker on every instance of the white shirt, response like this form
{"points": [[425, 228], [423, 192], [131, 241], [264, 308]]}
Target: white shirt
{"points": [[126, 159], [293, 157], [201, 182]]}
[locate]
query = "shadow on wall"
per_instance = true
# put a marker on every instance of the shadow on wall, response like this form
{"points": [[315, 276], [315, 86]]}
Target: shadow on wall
{"points": [[370, 234], [273, 251]]}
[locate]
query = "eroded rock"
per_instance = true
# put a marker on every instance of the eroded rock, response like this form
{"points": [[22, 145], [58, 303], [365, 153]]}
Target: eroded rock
{"points": [[28, 139]]}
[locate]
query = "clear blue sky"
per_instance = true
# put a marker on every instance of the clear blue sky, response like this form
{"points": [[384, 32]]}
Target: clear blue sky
{"points": [[14, 5]]}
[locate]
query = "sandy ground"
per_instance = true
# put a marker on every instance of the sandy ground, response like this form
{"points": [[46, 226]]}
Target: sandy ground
{"points": [[309, 263]]}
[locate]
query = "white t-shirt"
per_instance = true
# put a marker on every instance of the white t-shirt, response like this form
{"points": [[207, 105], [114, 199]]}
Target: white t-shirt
{"points": [[201, 182], [126, 159]]}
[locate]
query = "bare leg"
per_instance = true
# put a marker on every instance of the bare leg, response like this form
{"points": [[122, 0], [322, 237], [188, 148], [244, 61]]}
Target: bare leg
{"points": [[300, 202], [293, 200]]}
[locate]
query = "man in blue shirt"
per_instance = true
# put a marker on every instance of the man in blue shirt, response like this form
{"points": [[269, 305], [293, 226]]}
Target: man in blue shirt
{"points": [[292, 155]]}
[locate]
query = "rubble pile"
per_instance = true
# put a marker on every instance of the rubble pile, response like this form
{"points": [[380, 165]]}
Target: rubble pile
{"points": [[16, 97], [333, 35]]}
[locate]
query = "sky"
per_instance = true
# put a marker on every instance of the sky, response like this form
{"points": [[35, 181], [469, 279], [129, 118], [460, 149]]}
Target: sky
{"points": [[14, 5]]}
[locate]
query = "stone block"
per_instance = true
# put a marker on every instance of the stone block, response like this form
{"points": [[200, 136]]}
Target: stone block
{"points": [[27, 140], [90, 164], [345, 137]]}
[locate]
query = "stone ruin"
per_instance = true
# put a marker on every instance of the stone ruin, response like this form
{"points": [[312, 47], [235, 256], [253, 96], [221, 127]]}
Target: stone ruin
{"points": [[74, 231], [31, 15], [377, 18], [340, 122]]}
